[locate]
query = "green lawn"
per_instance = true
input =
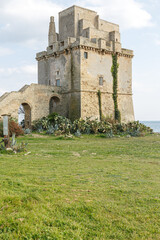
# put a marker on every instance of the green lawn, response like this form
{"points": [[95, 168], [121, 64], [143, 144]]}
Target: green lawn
{"points": [[87, 188]]}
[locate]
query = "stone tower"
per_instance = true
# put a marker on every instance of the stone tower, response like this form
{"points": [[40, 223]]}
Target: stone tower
{"points": [[77, 64]]}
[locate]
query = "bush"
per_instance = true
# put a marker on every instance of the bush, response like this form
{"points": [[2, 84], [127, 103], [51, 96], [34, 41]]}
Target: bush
{"points": [[52, 124], [15, 128], [27, 131], [58, 125], [132, 128]]}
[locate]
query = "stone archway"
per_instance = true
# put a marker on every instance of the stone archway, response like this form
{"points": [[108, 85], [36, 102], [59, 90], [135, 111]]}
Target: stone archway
{"points": [[54, 104], [25, 111]]}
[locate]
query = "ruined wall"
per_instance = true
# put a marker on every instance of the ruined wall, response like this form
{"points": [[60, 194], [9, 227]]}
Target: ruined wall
{"points": [[36, 96]]}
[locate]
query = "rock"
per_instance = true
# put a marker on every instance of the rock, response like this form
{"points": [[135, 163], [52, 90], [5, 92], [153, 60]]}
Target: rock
{"points": [[9, 149]]}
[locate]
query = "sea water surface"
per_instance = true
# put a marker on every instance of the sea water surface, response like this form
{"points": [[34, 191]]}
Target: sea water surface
{"points": [[155, 125]]}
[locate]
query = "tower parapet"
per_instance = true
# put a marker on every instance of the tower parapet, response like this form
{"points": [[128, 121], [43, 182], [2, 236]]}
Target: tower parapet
{"points": [[80, 26]]}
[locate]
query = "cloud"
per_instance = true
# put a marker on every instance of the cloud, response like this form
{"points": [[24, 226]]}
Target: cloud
{"points": [[138, 88], [30, 69], [28, 22], [127, 13], [26, 69], [5, 51], [157, 42], [8, 71], [21, 22], [14, 78]]}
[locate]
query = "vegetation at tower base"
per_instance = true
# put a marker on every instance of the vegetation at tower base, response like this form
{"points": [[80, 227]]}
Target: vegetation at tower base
{"points": [[100, 104], [55, 124], [114, 70]]}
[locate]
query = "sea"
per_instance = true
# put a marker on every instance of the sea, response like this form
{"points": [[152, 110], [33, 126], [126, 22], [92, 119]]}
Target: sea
{"points": [[155, 125]]}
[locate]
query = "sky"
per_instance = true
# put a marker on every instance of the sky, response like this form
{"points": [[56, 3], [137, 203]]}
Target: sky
{"points": [[24, 32]]}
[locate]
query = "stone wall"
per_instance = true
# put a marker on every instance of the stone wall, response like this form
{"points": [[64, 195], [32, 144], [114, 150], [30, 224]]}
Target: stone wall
{"points": [[80, 82], [67, 65], [101, 67], [36, 96]]}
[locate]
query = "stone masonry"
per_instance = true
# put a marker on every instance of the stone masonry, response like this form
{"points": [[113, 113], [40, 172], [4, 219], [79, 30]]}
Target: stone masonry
{"points": [[76, 64]]}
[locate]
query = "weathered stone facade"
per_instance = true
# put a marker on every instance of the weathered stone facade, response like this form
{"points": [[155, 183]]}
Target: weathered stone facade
{"points": [[34, 98], [76, 64]]}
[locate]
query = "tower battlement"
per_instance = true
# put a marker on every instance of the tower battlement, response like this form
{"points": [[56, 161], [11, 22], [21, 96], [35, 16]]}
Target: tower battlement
{"points": [[83, 27]]}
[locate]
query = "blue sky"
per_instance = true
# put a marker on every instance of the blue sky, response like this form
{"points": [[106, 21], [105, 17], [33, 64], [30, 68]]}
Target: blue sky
{"points": [[24, 31]]}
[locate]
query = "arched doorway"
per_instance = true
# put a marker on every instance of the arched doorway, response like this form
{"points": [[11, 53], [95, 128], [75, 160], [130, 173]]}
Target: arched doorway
{"points": [[54, 104], [24, 115]]}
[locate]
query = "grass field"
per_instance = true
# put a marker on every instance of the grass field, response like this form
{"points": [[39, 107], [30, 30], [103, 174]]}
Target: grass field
{"points": [[87, 188]]}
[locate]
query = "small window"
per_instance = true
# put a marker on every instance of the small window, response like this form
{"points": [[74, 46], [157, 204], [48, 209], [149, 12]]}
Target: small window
{"points": [[58, 82], [101, 81], [62, 44], [49, 82], [85, 55], [57, 73], [87, 35]]}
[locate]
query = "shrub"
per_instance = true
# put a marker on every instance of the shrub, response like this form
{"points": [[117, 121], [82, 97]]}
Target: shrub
{"points": [[132, 128], [27, 131], [58, 125], [50, 130], [15, 128], [52, 117]]}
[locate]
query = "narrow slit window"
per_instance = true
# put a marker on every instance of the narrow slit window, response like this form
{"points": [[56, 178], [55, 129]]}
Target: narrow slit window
{"points": [[101, 81], [57, 73], [86, 55]]}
